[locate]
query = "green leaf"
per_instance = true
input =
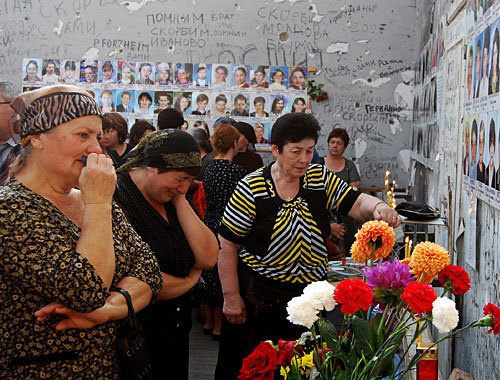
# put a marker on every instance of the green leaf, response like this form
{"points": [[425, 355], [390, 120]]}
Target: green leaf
{"points": [[328, 332], [365, 336]]}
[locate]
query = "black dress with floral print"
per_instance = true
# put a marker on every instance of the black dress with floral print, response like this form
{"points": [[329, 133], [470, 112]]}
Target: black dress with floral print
{"points": [[39, 264]]}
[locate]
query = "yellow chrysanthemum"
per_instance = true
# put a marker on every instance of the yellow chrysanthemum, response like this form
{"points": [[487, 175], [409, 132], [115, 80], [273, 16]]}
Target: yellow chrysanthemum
{"points": [[304, 364], [361, 250], [428, 258]]}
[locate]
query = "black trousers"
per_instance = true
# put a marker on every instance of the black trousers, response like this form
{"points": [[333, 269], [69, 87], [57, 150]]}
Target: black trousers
{"points": [[267, 323], [167, 325]]}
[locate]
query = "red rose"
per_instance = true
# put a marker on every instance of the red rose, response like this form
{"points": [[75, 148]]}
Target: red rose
{"points": [[494, 311], [419, 296], [260, 364], [285, 352], [454, 278], [353, 294]]}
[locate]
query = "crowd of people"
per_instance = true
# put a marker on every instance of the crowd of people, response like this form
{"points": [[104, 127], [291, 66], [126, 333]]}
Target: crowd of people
{"points": [[87, 208]]}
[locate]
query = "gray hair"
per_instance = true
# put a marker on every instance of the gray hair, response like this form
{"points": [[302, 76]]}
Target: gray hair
{"points": [[201, 138], [8, 90]]}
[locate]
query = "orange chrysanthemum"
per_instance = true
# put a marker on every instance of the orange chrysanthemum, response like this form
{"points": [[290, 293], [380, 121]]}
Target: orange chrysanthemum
{"points": [[366, 237], [405, 261], [428, 258]]}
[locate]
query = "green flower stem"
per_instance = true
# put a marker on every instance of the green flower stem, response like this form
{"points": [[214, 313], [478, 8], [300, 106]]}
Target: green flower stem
{"points": [[382, 320], [374, 248]]}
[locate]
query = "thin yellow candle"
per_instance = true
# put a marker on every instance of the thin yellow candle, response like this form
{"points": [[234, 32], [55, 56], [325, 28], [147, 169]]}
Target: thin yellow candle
{"points": [[407, 250]]}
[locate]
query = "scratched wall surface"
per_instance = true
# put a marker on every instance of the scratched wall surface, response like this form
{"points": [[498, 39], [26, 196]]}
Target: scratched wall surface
{"points": [[474, 349], [361, 48]]}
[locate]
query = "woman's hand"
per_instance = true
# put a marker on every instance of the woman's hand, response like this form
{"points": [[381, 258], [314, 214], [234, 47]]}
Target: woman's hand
{"points": [[338, 230], [383, 211], [97, 180], [234, 309], [74, 320]]}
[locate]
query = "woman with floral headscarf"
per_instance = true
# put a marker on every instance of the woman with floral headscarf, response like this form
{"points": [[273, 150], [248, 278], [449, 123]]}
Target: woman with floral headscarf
{"points": [[64, 251], [151, 190]]}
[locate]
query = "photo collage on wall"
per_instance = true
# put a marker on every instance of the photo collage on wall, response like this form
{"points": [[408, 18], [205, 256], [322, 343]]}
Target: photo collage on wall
{"points": [[424, 134], [481, 155], [203, 92]]}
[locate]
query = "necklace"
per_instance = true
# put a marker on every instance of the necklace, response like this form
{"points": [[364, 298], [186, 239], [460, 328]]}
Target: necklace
{"points": [[279, 189]]}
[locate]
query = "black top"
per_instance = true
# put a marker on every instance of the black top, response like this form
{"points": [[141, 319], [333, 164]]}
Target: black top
{"points": [[166, 239], [117, 159], [219, 181], [249, 160]]}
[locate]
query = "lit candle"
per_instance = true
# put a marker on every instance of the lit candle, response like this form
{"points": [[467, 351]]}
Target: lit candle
{"points": [[407, 248]]}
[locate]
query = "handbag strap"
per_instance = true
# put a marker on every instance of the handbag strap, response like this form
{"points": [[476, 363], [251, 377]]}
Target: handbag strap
{"points": [[131, 317]]}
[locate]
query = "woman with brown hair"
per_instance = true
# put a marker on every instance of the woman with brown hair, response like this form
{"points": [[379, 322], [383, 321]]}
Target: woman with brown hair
{"points": [[219, 181], [115, 132]]}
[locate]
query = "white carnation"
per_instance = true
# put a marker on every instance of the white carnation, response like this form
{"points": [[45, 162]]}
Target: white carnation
{"points": [[320, 295], [301, 312], [444, 314]]}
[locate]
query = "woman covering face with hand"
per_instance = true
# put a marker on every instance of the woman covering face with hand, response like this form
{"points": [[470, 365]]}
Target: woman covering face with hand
{"points": [[64, 250], [151, 189]]}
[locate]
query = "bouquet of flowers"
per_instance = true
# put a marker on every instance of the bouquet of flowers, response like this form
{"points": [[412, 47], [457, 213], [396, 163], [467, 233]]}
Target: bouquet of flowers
{"points": [[393, 297]]}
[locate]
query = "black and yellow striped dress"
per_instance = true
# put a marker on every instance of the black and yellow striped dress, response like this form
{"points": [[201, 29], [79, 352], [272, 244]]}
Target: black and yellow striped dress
{"points": [[285, 241]]}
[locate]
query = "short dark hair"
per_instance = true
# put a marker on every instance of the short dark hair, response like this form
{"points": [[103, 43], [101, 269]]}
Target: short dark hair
{"points": [[70, 65], [138, 129], [201, 98], [259, 99], [294, 127], [492, 132], [108, 65], [113, 120], [239, 97], [126, 93], [170, 118], [339, 132], [145, 95], [474, 128]]}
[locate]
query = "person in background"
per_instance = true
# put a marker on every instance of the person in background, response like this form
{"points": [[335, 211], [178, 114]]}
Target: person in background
{"points": [[201, 103], [219, 181], [493, 79], [151, 189], [342, 227], [32, 72], [170, 118], [299, 105], [114, 134], [278, 78], [69, 72], [145, 72], [298, 79], [144, 100], [277, 106], [125, 105], [107, 101], [50, 75], [9, 139], [240, 105], [259, 103], [127, 74], [246, 157], [272, 239], [65, 247], [202, 124], [481, 168], [259, 78], [163, 74], [466, 164], [183, 102], [164, 101], [489, 178], [107, 72], [259, 130], [240, 78], [473, 149], [220, 109], [139, 130]]}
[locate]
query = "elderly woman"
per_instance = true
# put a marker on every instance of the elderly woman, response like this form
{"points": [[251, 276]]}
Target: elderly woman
{"points": [[115, 133], [64, 250], [272, 238], [343, 227], [151, 190], [219, 181]]}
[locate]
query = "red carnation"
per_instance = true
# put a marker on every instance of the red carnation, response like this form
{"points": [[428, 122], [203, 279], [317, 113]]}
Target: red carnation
{"points": [[353, 294], [260, 364], [494, 311], [419, 296], [285, 352], [454, 278]]}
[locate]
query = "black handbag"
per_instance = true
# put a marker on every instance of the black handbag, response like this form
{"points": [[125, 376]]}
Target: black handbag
{"points": [[417, 210], [132, 351]]}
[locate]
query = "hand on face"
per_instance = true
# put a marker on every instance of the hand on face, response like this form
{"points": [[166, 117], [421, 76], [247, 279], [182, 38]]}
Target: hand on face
{"points": [[97, 180]]}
